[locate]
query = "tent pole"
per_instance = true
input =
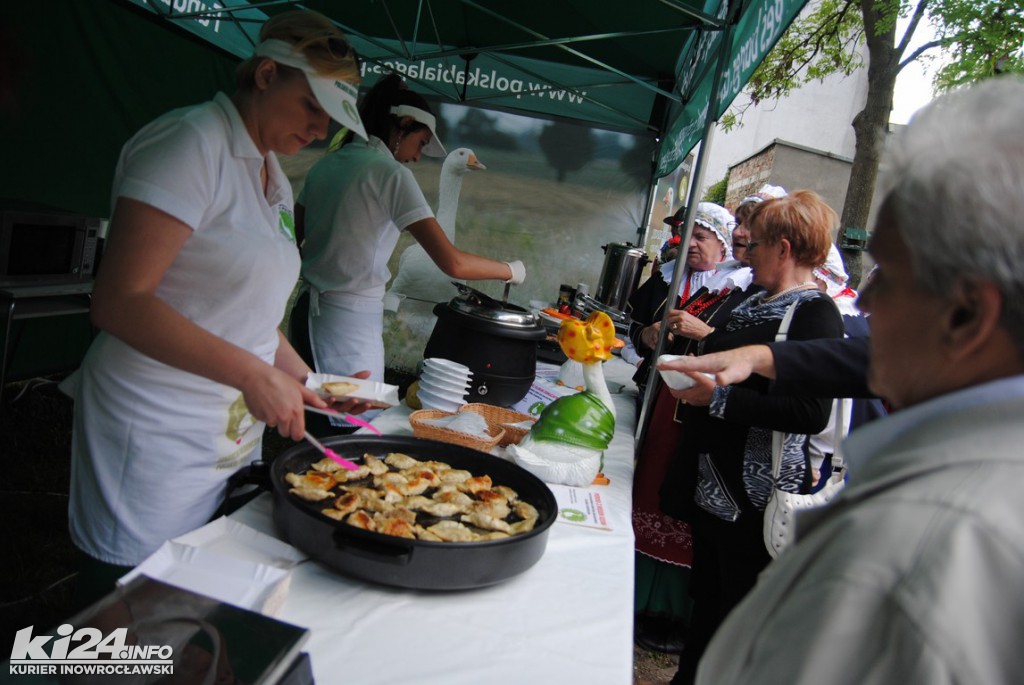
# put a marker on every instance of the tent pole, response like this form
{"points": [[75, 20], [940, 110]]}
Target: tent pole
{"points": [[691, 212]]}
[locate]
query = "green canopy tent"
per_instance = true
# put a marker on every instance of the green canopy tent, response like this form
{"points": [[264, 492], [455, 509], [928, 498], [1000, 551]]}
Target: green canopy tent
{"points": [[81, 76]]}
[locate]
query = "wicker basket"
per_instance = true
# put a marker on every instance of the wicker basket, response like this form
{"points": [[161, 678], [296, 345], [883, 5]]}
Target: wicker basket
{"points": [[424, 430], [499, 417]]}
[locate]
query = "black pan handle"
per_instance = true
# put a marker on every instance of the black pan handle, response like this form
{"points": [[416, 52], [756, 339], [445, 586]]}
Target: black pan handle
{"points": [[256, 473], [245, 485], [388, 552]]}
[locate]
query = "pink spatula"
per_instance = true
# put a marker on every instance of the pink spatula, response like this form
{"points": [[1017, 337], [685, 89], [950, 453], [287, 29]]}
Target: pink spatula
{"points": [[328, 452], [347, 417]]}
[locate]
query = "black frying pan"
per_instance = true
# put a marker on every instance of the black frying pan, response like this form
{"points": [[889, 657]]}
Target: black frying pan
{"points": [[417, 564]]}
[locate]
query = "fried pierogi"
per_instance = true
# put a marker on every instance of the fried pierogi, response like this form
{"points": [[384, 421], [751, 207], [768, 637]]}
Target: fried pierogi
{"points": [[426, 500]]}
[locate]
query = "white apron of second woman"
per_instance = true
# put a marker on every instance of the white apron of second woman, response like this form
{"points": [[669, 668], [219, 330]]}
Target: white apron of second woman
{"points": [[360, 348]]}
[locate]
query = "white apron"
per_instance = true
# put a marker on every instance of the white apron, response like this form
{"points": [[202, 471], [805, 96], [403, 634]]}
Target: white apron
{"points": [[346, 333]]}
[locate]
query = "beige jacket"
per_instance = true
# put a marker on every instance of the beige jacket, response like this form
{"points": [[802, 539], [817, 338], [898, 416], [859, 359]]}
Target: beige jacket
{"points": [[914, 574]]}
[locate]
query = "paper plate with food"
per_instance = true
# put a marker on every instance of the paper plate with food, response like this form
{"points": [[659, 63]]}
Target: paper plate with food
{"points": [[338, 388]]}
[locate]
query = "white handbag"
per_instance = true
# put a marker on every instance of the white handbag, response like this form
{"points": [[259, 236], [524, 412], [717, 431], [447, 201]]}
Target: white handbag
{"points": [[780, 512]]}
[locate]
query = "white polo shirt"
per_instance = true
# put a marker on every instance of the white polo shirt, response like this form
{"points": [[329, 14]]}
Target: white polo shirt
{"points": [[357, 201], [201, 166]]}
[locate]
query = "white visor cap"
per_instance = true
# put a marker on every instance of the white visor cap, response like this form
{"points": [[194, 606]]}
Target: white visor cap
{"points": [[434, 147], [337, 97]]}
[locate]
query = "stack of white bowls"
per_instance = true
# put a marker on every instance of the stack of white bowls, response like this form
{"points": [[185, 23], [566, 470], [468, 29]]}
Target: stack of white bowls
{"points": [[444, 384]]}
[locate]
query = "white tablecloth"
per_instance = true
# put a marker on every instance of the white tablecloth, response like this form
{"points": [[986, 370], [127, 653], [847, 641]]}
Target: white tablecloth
{"points": [[567, 620]]}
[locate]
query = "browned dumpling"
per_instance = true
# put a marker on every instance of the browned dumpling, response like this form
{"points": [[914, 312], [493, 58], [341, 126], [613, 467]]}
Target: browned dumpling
{"points": [[398, 512], [496, 509], [360, 519], [326, 465], [433, 507], [508, 493], [376, 466], [401, 461], [475, 484], [491, 496], [451, 531], [348, 503], [389, 477], [421, 474], [346, 476], [481, 520], [397, 527], [311, 494], [414, 486], [362, 491], [393, 492], [453, 476], [333, 514], [314, 480], [449, 494]]}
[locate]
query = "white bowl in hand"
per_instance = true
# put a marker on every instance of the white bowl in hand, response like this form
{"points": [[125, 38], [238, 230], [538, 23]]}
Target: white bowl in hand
{"points": [[677, 380]]}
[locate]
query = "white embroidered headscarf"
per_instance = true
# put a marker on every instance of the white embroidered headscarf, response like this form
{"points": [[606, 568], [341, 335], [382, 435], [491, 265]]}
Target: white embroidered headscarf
{"points": [[719, 221], [833, 274]]}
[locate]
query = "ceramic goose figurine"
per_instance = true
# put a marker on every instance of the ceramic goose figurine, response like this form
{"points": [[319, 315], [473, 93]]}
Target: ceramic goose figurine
{"points": [[567, 443], [417, 275]]}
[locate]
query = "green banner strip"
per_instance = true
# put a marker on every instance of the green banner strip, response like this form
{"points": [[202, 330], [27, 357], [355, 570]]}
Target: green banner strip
{"points": [[756, 32]]}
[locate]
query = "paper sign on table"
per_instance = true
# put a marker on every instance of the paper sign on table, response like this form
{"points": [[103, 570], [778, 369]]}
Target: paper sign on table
{"points": [[580, 507], [541, 394]]}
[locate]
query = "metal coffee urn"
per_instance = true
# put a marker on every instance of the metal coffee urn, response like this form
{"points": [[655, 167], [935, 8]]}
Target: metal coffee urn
{"points": [[620, 275]]}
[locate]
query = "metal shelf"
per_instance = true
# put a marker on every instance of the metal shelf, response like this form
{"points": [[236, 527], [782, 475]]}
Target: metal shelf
{"points": [[37, 301]]}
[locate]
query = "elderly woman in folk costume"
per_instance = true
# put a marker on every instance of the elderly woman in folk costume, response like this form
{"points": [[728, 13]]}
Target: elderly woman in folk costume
{"points": [[709, 246], [706, 296]]}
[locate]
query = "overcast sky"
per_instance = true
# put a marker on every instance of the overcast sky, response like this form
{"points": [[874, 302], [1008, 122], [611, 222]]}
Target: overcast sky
{"points": [[914, 84]]}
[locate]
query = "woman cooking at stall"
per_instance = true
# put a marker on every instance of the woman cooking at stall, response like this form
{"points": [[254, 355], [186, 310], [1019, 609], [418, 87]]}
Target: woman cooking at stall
{"points": [[189, 365], [354, 205]]}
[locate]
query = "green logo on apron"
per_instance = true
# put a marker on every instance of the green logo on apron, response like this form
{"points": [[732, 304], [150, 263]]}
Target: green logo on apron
{"points": [[287, 224], [240, 421]]}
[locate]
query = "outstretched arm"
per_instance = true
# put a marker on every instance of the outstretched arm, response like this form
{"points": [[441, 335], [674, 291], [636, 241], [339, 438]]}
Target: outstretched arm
{"points": [[729, 367], [453, 261], [833, 367]]}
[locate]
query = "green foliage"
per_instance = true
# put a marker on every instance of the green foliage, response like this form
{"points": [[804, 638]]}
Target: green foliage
{"points": [[716, 191], [729, 121], [978, 38], [983, 39], [817, 45]]}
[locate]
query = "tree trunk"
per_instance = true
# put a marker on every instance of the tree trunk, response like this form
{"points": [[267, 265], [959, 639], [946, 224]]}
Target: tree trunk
{"points": [[870, 127]]}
